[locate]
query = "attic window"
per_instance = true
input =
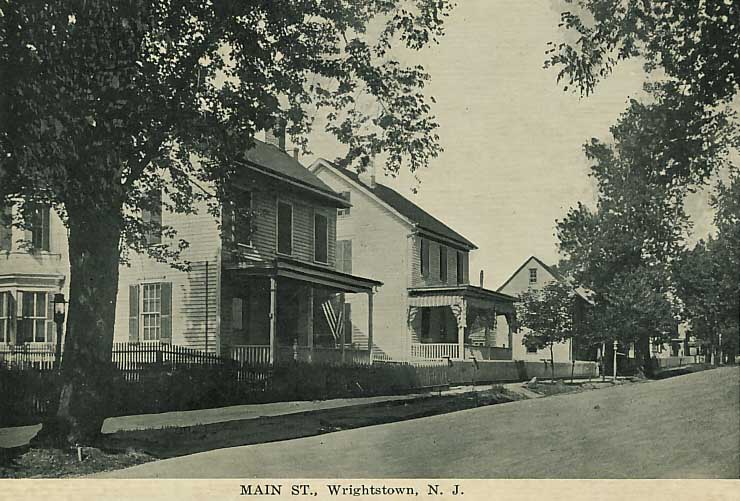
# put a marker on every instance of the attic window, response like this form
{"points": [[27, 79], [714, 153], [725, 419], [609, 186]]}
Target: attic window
{"points": [[344, 211], [533, 275]]}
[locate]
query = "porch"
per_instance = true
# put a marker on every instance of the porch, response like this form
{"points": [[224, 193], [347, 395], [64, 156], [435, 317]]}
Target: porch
{"points": [[286, 310], [460, 323]]}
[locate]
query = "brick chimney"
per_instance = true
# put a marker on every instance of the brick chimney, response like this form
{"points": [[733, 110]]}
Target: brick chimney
{"points": [[367, 176], [276, 135]]}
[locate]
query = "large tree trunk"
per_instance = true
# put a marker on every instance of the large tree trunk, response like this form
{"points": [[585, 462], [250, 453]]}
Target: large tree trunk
{"points": [[644, 359], [94, 237]]}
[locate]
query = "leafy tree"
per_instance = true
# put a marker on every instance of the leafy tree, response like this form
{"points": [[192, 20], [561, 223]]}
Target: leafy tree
{"points": [[104, 104], [549, 315], [694, 42], [707, 277]]}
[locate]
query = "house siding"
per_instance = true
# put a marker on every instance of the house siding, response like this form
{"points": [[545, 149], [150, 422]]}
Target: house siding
{"points": [[379, 251], [517, 285], [37, 270], [264, 236], [195, 293], [418, 279]]}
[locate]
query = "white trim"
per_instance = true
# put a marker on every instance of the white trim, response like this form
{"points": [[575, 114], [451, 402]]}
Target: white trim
{"points": [[278, 201], [322, 163]]}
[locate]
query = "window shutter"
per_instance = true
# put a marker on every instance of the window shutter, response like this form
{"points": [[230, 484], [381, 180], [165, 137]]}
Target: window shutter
{"points": [[133, 314], [45, 244], [348, 256], [340, 255], [6, 230], [49, 318], [166, 313]]}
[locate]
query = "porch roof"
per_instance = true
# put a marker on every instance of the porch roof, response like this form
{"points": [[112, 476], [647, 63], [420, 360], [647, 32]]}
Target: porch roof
{"points": [[304, 272], [475, 295]]}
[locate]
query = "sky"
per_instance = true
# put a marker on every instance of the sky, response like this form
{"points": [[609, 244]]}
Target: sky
{"points": [[513, 161]]}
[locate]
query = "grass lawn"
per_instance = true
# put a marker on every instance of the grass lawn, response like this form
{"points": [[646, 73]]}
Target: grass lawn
{"points": [[127, 448]]}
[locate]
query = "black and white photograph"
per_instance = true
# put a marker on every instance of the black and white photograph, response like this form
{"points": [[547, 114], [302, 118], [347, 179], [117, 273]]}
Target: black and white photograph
{"points": [[370, 248]]}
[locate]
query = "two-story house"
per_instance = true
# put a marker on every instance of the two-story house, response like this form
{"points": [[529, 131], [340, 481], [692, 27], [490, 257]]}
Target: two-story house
{"points": [[263, 284], [34, 264], [427, 307], [533, 274]]}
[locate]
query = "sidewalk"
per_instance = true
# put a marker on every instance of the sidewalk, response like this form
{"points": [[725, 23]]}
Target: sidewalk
{"points": [[21, 435]]}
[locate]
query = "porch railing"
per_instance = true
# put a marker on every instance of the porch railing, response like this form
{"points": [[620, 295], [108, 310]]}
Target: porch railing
{"points": [[251, 354], [435, 351], [438, 351]]}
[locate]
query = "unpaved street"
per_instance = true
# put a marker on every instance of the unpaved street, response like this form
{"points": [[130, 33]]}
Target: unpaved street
{"points": [[684, 427]]}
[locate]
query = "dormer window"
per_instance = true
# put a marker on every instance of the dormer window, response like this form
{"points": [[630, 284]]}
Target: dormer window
{"points": [[533, 275]]}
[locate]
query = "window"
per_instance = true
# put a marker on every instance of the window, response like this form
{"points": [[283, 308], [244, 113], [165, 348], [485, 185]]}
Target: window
{"points": [[531, 349], [424, 257], [151, 311], [4, 317], [285, 228], [344, 212], [6, 231], [40, 228], [344, 256], [32, 326], [320, 239], [238, 218], [533, 275], [153, 219], [460, 267], [443, 263]]}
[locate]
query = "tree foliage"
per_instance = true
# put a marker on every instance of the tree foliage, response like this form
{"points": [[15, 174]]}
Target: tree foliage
{"points": [[707, 276], [105, 105], [548, 313], [696, 43]]}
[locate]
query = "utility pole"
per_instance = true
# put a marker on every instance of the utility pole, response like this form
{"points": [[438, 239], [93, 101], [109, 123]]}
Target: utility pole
{"points": [[615, 360]]}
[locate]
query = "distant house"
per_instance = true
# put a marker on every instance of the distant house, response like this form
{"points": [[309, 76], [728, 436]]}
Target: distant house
{"points": [[427, 307], [533, 274], [263, 284], [34, 265]]}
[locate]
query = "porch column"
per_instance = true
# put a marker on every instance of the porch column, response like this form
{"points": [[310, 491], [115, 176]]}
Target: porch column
{"points": [[510, 321], [460, 311], [370, 325], [342, 326], [309, 324], [273, 319]]}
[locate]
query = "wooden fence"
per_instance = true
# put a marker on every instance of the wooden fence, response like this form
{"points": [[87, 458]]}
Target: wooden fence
{"points": [[27, 356]]}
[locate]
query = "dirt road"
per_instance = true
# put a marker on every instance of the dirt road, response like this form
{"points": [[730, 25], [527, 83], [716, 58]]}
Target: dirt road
{"points": [[684, 427]]}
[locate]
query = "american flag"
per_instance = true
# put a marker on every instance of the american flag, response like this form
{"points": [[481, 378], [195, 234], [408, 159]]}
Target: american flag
{"points": [[335, 321]]}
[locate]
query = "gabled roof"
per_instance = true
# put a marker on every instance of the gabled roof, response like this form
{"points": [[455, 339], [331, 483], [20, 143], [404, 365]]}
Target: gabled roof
{"points": [[271, 160], [405, 207], [581, 291]]}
